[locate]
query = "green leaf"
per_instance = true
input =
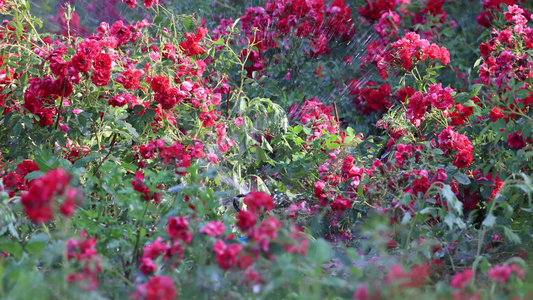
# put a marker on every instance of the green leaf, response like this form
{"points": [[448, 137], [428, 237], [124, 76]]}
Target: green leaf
{"points": [[39, 22], [319, 251], [82, 120], [485, 266], [453, 202], [511, 235], [219, 42], [17, 129], [474, 89], [478, 61], [499, 124], [522, 94], [81, 162], [308, 130], [461, 178], [489, 221], [297, 129], [350, 131], [12, 247], [360, 191], [37, 243], [406, 218], [132, 131], [34, 175], [452, 220]]}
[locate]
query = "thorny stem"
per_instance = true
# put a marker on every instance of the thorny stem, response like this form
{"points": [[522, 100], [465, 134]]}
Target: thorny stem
{"points": [[35, 30], [113, 141], [59, 112], [336, 114], [479, 246], [404, 254], [478, 257], [126, 280], [136, 250], [227, 104], [445, 248], [435, 186]]}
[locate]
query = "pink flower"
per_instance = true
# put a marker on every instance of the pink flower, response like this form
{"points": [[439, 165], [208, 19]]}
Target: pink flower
{"points": [[256, 201], [155, 249], [100, 77], [416, 108], [461, 279], [213, 228], [208, 117], [121, 100], [212, 158], [158, 288], [121, 32], [177, 229], [226, 254], [238, 121], [413, 279], [500, 273], [130, 78], [439, 97], [147, 265], [496, 114], [341, 204], [361, 293], [245, 220], [159, 84], [150, 3], [191, 47], [403, 153], [38, 201], [102, 61], [81, 62], [516, 140]]}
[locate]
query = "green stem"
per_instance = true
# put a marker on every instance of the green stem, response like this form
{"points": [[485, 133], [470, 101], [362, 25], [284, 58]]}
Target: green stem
{"points": [[59, 113], [126, 280], [478, 257], [492, 289], [404, 254], [135, 251]]}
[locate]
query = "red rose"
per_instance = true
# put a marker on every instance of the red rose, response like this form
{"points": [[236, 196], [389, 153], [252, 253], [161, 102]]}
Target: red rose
{"points": [[81, 62]]}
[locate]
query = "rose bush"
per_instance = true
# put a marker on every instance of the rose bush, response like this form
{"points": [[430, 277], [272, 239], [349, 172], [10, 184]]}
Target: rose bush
{"points": [[373, 149]]}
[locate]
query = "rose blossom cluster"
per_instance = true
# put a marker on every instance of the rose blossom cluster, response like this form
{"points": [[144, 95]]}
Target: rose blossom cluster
{"points": [[491, 7], [261, 235], [15, 181], [94, 58], [329, 178], [83, 251], [372, 98], [310, 20], [504, 58], [449, 140], [157, 288], [229, 254], [180, 154], [39, 200], [147, 3], [409, 51], [318, 116], [179, 233], [502, 273], [437, 97]]}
